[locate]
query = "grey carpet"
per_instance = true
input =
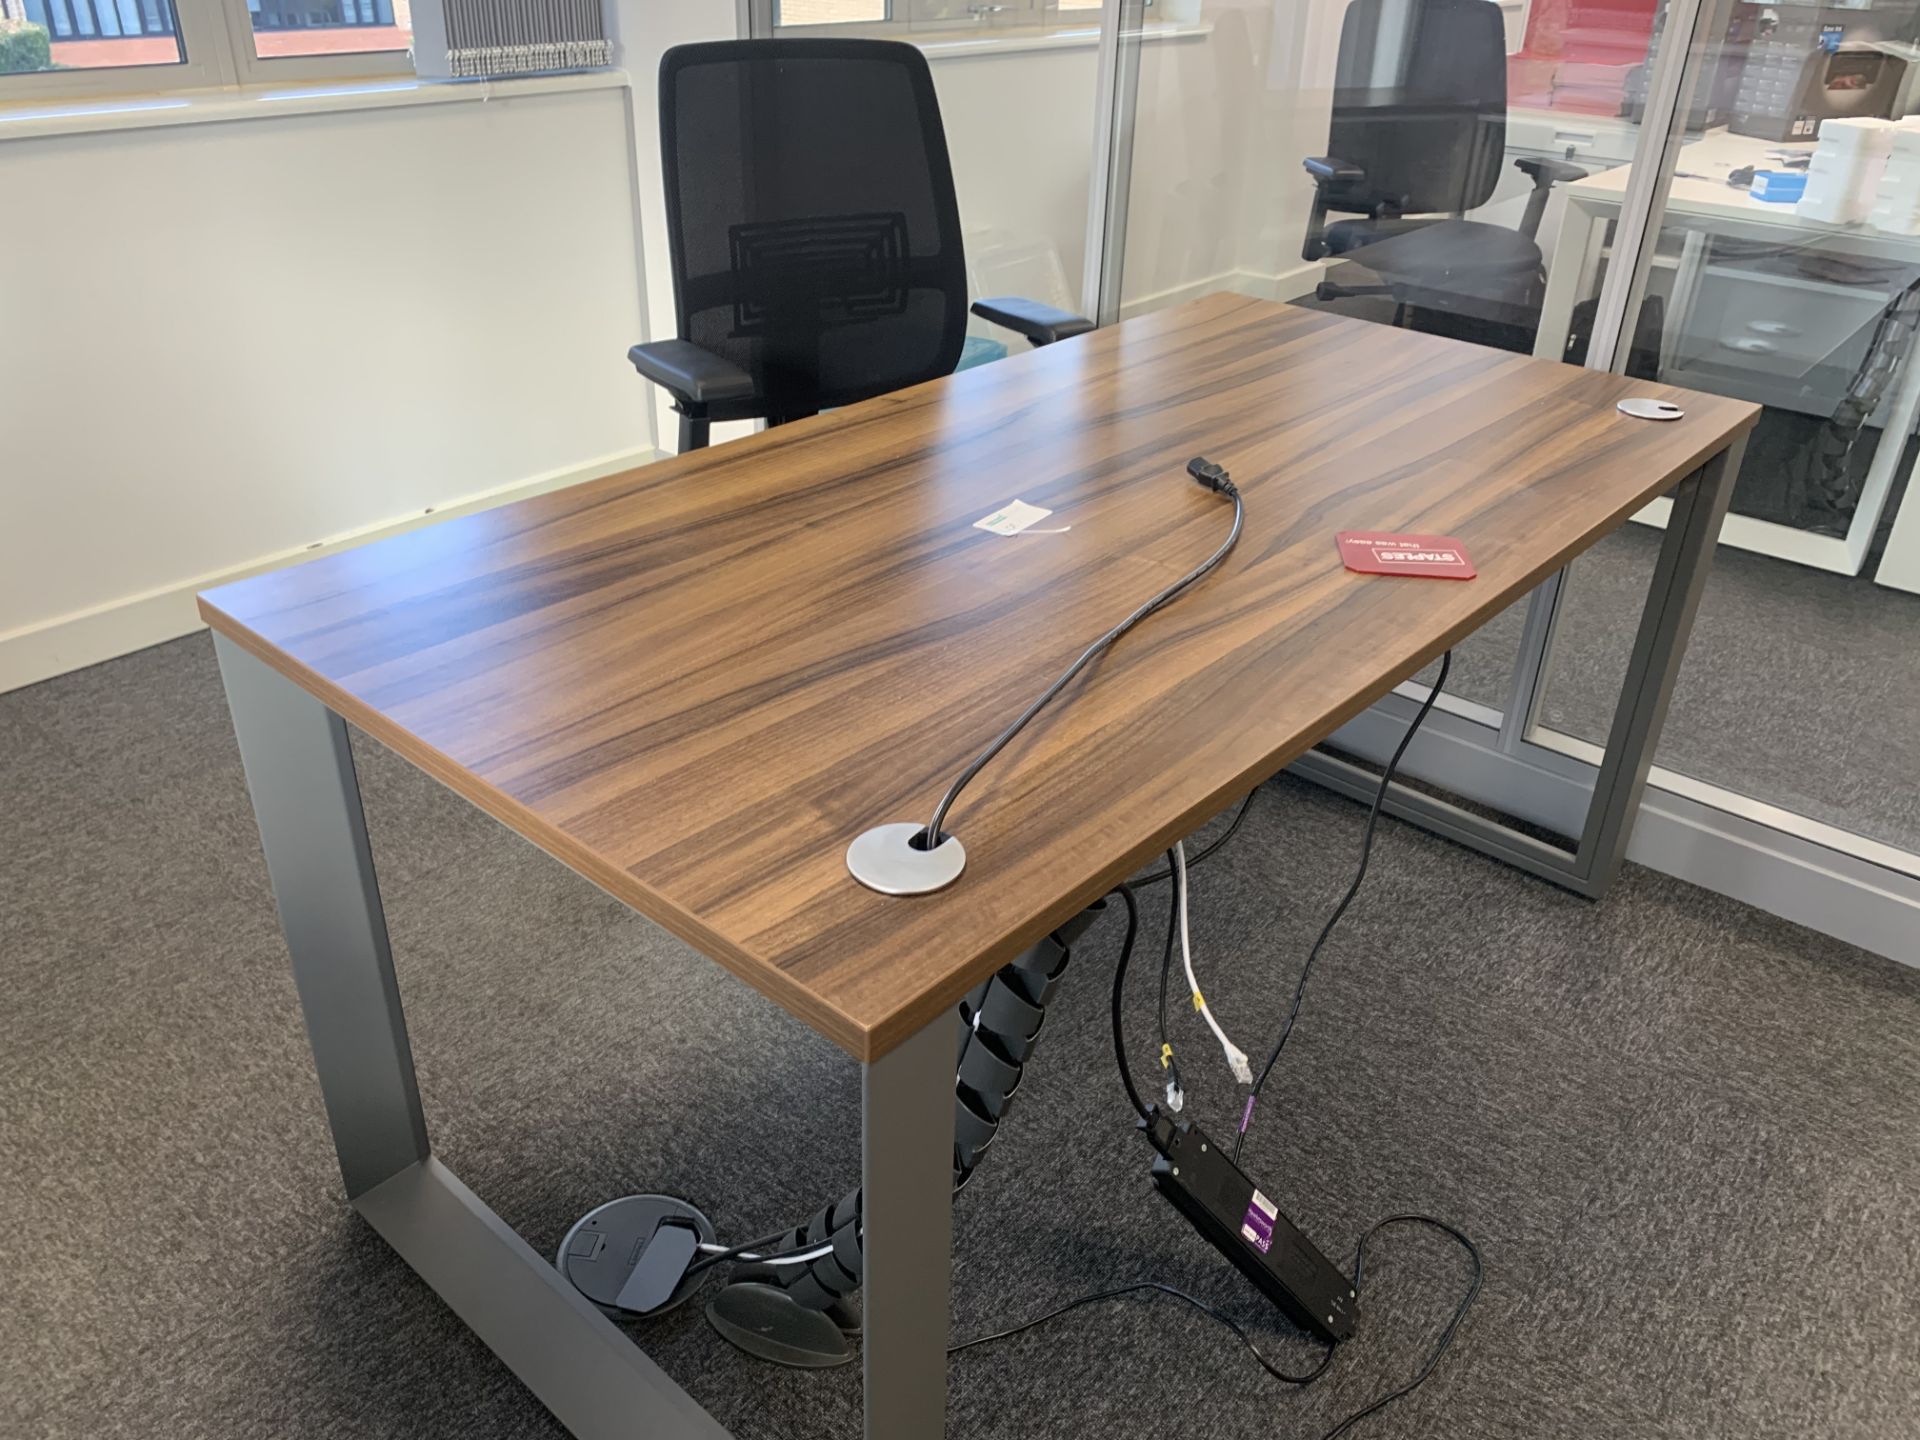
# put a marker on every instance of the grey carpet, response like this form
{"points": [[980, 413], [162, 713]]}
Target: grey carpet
{"points": [[1686, 1136]]}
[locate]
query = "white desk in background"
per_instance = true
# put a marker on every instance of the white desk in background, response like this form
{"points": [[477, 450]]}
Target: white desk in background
{"points": [[1779, 329]]}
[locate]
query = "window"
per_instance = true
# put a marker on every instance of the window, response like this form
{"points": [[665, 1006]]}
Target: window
{"points": [[56, 49], [788, 14], [43, 36], [948, 19], [284, 28]]}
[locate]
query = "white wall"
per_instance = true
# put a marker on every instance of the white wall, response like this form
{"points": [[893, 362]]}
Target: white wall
{"points": [[220, 342], [1223, 118], [1020, 134], [235, 341]]}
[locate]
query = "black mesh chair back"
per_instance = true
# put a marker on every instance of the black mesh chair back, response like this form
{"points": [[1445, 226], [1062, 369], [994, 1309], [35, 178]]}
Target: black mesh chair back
{"points": [[810, 209], [1420, 105]]}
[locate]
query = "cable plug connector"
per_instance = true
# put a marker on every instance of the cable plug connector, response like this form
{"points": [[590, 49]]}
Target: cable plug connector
{"points": [[1212, 476], [1237, 1062], [1176, 1097]]}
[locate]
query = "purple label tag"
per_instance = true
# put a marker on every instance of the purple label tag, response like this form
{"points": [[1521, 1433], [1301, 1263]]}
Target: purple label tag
{"points": [[1257, 1228]]}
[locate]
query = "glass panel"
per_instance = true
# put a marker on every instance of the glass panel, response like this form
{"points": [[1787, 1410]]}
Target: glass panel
{"points": [[1020, 128], [37, 36], [829, 12], [1404, 162], [286, 28], [1786, 271], [1758, 290]]}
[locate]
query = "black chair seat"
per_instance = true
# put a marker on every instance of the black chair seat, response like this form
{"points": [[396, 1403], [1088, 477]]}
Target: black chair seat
{"points": [[1430, 249], [1458, 267]]}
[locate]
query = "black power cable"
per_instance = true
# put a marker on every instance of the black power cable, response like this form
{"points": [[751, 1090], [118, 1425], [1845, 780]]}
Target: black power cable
{"points": [[1372, 1407], [1446, 1335], [1211, 477], [1167, 1062], [1212, 845], [1216, 1315], [1125, 892], [1359, 875], [1441, 1345]]}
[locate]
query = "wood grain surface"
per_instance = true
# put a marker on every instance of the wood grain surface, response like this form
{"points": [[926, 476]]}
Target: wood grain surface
{"points": [[696, 682]]}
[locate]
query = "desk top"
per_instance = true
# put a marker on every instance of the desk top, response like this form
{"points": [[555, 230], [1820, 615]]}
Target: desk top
{"points": [[696, 682], [1716, 155]]}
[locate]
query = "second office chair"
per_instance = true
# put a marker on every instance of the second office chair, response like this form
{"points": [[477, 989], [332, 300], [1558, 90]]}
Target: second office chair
{"points": [[1418, 138]]}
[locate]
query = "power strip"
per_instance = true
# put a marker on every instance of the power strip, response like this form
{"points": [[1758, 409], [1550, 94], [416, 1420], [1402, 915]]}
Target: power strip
{"points": [[1216, 1196]]}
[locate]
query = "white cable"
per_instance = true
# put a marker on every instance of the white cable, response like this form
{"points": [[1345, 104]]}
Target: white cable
{"points": [[1236, 1057], [805, 1257]]}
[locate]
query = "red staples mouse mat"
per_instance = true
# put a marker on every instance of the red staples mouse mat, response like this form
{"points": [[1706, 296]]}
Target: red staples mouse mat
{"points": [[1371, 552]]}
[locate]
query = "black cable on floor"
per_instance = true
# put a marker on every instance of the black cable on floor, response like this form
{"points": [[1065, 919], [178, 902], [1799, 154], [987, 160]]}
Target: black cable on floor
{"points": [[1446, 1335], [1372, 1407], [1217, 1316], [1359, 875]]}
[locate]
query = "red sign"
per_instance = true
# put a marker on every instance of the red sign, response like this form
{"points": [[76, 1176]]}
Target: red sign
{"points": [[1371, 553]]}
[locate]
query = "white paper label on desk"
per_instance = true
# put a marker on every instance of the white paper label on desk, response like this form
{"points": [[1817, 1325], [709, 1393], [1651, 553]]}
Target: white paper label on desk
{"points": [[1012, 518]]}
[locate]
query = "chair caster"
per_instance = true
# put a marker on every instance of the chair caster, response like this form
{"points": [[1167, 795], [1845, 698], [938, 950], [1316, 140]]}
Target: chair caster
{"points": [[770, 1324]]}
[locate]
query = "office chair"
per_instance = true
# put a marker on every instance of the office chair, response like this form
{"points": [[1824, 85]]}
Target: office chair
{"points": [[815, 238], [1418, 132]]}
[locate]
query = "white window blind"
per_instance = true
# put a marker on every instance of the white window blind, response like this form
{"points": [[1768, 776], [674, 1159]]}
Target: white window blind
{"points": [[467, 39]]}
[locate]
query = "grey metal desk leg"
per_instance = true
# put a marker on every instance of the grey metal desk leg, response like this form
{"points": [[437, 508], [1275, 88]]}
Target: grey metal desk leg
{"points": [[1620, 779], [1660, 643], [300, 773], [907, 1216], [596, 1381]]}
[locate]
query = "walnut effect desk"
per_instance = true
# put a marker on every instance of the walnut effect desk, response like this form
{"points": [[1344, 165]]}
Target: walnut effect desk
{"points": [[696, 682]]}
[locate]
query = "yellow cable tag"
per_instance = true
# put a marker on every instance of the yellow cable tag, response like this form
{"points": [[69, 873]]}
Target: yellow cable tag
{"points": [[1166, 1055], [1198, 1003]]}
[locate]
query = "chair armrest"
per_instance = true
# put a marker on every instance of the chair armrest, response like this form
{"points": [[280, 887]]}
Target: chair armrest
{"points": [[693, 376], [1328, 171], [1042, 324], [1546, 171]]}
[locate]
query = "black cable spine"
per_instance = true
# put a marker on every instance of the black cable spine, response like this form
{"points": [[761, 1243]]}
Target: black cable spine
{"points": [[1000, 1022]]}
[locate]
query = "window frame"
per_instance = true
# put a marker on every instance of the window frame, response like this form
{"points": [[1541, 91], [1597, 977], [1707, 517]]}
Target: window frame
{"points": [[254, 69], [906, 20], [217, 36]]}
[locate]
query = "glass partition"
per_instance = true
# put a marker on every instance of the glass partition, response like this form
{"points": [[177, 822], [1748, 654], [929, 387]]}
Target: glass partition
{"points": [[1780, 263], [1615, 183], [1405, 162]]}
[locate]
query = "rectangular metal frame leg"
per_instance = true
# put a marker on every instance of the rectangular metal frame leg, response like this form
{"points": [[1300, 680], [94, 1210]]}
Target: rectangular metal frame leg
{"points": [[300, 773], [1673, 598], [1659, 645], [596, 1381], [907, 1177]]}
